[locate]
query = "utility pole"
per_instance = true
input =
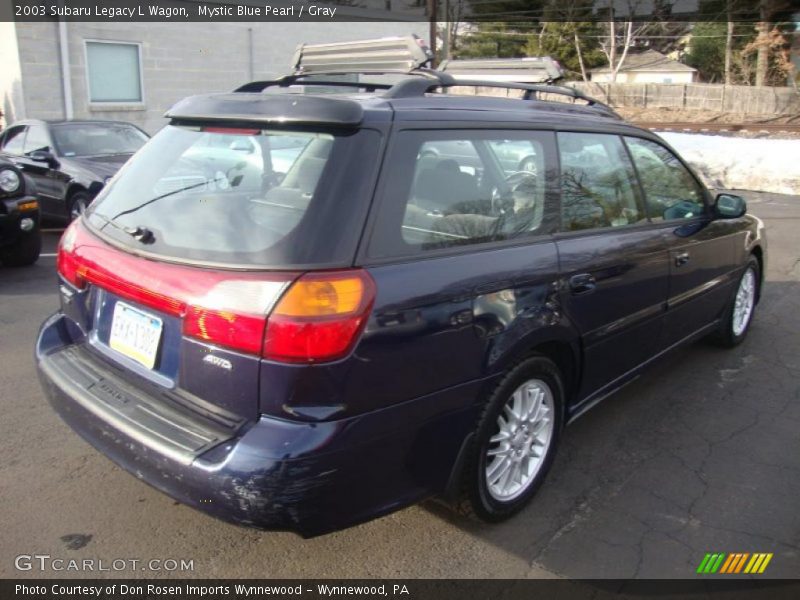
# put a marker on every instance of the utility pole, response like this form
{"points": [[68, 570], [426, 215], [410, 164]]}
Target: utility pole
{"points": [[446, 49], [433, 17]]}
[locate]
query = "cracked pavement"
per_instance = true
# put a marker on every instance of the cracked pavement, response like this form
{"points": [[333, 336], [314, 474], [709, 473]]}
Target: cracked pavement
{"points": [[701, 454]]}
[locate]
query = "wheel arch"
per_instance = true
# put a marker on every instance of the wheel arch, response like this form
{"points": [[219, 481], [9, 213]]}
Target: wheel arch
{"points": [[75, 187], [758, 252]]}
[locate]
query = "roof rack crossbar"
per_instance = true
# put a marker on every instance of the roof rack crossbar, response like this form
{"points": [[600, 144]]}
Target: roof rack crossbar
{"points": [[419, 87]]}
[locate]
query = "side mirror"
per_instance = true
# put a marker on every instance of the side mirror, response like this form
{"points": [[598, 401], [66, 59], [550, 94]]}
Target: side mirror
{"points": [[44, 156], [728, 206]]}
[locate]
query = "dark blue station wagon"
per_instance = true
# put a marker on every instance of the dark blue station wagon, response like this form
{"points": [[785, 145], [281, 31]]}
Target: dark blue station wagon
{"points": [[303, 311]]}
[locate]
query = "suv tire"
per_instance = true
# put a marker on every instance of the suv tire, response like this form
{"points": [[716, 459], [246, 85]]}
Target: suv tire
{"points": [[25, 252], [515, 441]]}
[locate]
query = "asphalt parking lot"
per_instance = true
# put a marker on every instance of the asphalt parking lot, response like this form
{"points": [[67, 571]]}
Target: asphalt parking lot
{"points": [[702, 454]]}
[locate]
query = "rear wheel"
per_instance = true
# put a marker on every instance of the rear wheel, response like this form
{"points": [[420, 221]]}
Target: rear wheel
{"points": [[739, 314], [76, 204], [515, 441], [25, 252]]}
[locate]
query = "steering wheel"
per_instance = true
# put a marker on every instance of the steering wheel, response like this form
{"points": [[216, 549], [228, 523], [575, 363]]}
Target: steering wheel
{"points": [[518, 185]]}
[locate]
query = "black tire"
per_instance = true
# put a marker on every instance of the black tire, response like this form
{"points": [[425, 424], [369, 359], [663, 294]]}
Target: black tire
{"points": [[726, 336], [476, 500], [25, 252], [76, 204]]}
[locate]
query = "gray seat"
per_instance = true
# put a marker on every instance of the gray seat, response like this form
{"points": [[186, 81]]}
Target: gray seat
{"points": [[442, 187]]}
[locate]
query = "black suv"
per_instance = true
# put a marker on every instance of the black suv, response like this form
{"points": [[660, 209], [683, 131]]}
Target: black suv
{"points": [[302, 311], [69, 161], [20, 235]]}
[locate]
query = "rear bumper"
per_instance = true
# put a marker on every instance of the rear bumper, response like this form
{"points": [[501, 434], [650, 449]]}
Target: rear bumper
{"points": [[276, 474]]}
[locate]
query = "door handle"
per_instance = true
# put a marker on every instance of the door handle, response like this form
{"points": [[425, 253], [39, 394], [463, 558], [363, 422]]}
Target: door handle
{"points": [[681, 259], [583, 283]]}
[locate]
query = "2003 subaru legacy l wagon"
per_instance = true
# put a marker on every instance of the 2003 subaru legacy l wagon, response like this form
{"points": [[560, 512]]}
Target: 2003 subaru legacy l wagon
{"points": [[378, 322]]}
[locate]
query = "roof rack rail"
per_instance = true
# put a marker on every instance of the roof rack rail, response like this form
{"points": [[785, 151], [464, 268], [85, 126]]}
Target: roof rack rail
{"points": [[411, 88], [426, 76], [290, 80]]}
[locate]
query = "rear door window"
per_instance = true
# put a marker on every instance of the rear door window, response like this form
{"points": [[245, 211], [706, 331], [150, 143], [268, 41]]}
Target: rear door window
{"points": [[597, 183], [242, 196], [465, 187], [670, 190]]}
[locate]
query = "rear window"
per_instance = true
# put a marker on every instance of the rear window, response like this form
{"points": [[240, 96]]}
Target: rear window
{"points": [[241, 196], [97, 139]]}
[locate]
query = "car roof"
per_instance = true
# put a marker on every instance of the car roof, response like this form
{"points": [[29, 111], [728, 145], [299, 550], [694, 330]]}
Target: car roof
{"points": [[362, 109]]}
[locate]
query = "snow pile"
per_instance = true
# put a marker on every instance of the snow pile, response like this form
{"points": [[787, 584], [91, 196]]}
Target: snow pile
{"points": [[765, 165]]}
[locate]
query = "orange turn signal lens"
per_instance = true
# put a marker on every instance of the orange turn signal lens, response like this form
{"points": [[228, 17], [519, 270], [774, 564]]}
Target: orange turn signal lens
{"points": [[30, 205], [321, 297]]}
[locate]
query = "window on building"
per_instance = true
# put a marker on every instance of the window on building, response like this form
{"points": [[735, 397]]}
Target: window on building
{"points": [[113, 70]]}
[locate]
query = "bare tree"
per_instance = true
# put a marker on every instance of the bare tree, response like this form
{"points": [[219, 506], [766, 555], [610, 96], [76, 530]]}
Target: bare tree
{"points": [[729, 42], [579, 52], [454, 14], [628, 36]]}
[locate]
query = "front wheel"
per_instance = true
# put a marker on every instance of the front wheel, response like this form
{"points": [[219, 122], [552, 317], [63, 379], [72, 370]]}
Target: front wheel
{"points": [[515, 441], [737, 318], [76, 204]]}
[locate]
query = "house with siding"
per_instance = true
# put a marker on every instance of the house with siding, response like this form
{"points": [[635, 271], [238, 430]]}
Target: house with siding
{"points": [[647, 67]]}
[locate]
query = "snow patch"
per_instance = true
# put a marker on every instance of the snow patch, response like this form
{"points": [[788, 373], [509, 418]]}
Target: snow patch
{"points": [[765, 165]]}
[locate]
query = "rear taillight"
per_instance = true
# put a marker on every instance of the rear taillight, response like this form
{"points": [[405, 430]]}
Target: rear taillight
{"points": [[233, 312], [318, 317], [67, 263]]}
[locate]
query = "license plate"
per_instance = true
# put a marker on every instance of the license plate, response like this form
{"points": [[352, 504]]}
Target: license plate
{"points": [[135, 334]]}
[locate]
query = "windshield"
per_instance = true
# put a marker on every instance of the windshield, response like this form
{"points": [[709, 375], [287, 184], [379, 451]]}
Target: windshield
{"points": [[241, 196], [97, 139]]}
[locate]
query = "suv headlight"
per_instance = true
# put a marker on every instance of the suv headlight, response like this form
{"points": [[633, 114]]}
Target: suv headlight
{"points": [[9, 180]]}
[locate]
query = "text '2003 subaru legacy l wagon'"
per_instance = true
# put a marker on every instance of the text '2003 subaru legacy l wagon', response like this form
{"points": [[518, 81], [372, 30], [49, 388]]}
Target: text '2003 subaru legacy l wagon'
{"points": [[301, 311]]}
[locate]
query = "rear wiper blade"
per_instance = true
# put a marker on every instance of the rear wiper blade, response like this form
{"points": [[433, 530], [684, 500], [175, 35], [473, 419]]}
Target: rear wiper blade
{"points": [[172, 193]]}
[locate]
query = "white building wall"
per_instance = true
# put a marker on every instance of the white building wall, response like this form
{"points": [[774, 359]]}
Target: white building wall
{"points": [[178, 60]]}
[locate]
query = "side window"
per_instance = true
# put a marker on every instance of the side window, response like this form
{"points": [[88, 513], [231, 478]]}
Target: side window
{"points": [[670, 190], [597, 183], [464, 188], [12, 143], [37, 139]]}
